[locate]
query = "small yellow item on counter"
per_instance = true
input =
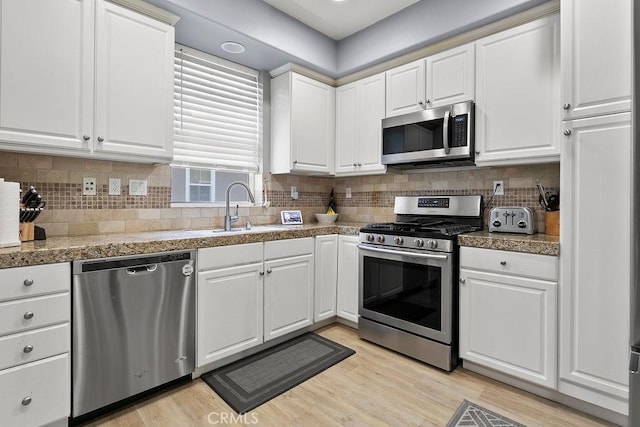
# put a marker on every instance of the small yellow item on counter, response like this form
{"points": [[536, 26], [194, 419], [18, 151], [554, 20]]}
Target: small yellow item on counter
{"points": [[330, 212]]}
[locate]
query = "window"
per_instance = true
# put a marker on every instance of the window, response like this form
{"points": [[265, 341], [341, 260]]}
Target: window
{"points": [[217, 129]]}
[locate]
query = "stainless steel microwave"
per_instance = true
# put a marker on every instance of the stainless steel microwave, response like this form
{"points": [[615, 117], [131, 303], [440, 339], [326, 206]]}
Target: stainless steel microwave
{"points": [[441, 136]]}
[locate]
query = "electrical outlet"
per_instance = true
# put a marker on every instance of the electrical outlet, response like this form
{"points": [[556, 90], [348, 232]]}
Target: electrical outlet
{"points": [[137, 187], [89, 186], [498, 188], [294, 192], [114, 186], [348, 192]]}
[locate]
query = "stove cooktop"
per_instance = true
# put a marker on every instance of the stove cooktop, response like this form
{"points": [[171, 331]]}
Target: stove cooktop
{"points": [[439, 229]]}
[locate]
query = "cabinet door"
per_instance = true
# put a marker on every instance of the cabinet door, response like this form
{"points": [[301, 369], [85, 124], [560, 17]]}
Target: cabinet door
{"points": [[371, 113], [451, 76], [134, 84], [596, 260], [326, 277], [347, 302], [312, 125], [508, 323], [405, 88], [230, 302], [596, 57], [347, 128], [46, 74], [288, 295], [517, 94]]}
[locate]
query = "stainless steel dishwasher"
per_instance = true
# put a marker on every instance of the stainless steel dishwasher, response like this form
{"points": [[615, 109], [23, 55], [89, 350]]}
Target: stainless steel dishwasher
{"points": [[133, 326]]}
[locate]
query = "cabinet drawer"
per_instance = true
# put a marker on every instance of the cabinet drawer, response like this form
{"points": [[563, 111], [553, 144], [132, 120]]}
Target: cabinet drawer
{"points": [[539, 266], [15, 316], [287, 248], [227, 256], [35, 280], [18, 349], [45, 382]]}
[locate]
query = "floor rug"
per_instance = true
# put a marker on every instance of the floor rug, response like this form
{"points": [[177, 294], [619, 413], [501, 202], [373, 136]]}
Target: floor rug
{"points": [[254, 380], [471, 415]]}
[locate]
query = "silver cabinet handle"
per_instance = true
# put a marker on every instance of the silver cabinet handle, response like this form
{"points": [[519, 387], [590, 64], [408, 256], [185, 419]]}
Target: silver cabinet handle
{"points": [[355, 165], [100, 139], [428, 101], [262, 273], [27, 349], [420, 102], [295, 162], [463, 280], [26, 401], [269, 270], [567, 132], [566, 106], [28, 315], [503, 262], [28, 282], [477, 152], [86, 137]]}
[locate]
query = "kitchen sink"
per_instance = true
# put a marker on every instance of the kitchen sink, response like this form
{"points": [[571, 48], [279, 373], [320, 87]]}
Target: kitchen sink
{"points": [[235, 230]]}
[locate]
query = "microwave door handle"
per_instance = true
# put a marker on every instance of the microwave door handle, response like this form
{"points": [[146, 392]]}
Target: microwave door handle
{"points": [[445, 132], [412, 254]]}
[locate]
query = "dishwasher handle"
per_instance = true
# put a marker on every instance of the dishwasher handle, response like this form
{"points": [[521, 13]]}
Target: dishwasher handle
{"points": [[149, 268]]}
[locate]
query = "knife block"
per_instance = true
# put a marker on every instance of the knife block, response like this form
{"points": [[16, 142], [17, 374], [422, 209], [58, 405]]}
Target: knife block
{"points": [[26, 231], [552, 223]]}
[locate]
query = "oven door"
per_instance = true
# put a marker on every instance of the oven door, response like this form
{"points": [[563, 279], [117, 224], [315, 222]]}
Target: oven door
{"points": [[408, 290]]}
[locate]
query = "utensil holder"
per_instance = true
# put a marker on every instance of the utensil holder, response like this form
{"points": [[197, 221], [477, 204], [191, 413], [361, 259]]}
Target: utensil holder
{"points": [[552, 223]]}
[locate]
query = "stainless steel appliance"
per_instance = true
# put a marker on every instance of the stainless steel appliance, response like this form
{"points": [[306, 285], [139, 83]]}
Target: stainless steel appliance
{"points": [[512, 219], [408, 269], [133, 326], [441, 136]]}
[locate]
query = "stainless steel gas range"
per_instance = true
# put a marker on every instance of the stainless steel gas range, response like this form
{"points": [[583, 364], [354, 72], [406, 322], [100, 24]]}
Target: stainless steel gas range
{"points": [[408, 297]]}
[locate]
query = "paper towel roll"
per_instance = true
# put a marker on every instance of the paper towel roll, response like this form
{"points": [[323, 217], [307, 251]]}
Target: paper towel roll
{"points": [[9, 214]]}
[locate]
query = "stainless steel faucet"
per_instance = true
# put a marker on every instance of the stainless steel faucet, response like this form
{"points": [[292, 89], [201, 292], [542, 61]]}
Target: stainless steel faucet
{"points": [[228, 219]]}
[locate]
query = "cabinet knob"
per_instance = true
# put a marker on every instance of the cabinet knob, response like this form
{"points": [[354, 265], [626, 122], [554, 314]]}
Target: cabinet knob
{"points": [[477, 152], [28, 282], [262, 273], [462, 280], [566, 106], [100, 139], [503, 262], [268, 270], [428, 101], [354, 165], [420, 103], [26, 401], [27, 349], [86, 137], [359, 164], [28, 315], [295, 162], [567, 132]]}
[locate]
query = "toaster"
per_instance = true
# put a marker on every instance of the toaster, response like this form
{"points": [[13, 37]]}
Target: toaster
{"points": [[512, 219]]}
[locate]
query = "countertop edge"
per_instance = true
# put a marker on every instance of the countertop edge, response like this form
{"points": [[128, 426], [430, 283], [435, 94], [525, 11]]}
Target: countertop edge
{"points": [[539, 244]]}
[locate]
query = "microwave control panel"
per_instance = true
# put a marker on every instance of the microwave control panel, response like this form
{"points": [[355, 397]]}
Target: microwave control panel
{"points": [[460, 130]]}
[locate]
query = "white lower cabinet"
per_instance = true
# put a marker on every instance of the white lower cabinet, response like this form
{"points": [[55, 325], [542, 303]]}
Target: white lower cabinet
{"points": [[35, 375], [250, 293], [508, 313], [326, 280], [347, 299]]}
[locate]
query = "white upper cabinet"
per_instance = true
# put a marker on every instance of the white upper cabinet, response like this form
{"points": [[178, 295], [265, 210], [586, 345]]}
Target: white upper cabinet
{"points": [[451, 76], [517, 95], [51, 99], [134, 83], [302, 125], [596, 57], [46, 73], [360, 109], [405, 88]]}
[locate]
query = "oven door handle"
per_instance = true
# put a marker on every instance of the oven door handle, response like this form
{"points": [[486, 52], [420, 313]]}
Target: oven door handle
{"points": [[413, 254]]}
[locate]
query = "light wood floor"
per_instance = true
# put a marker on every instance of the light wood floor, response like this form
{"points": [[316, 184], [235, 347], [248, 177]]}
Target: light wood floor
{"points": [[374, 387]]}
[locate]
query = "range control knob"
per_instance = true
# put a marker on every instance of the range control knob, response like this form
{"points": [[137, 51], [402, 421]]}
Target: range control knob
{"points": [[380, 239], [398, 240], [497, 223], [522, 223], [419, 243], [432, 244], [370, 238]]}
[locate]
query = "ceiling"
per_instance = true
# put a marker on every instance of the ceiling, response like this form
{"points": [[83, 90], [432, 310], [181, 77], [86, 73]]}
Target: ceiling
{"points": [[277, 32], [339, 19]]}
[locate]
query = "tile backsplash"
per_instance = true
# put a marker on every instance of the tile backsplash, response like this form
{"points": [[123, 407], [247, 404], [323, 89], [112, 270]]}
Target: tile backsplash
{"points": [[69, 213]]}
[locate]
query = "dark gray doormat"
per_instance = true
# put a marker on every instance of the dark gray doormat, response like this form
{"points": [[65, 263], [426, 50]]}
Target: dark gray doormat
{"points": [[254, 380], [471, 415]]}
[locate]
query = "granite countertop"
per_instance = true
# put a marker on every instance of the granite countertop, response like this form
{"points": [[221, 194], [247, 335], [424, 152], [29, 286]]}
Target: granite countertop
{"points": [[541, 244], [65, 249]]}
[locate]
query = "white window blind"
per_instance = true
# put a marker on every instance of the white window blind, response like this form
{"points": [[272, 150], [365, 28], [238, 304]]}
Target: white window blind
{"points": [[217, 113]]}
